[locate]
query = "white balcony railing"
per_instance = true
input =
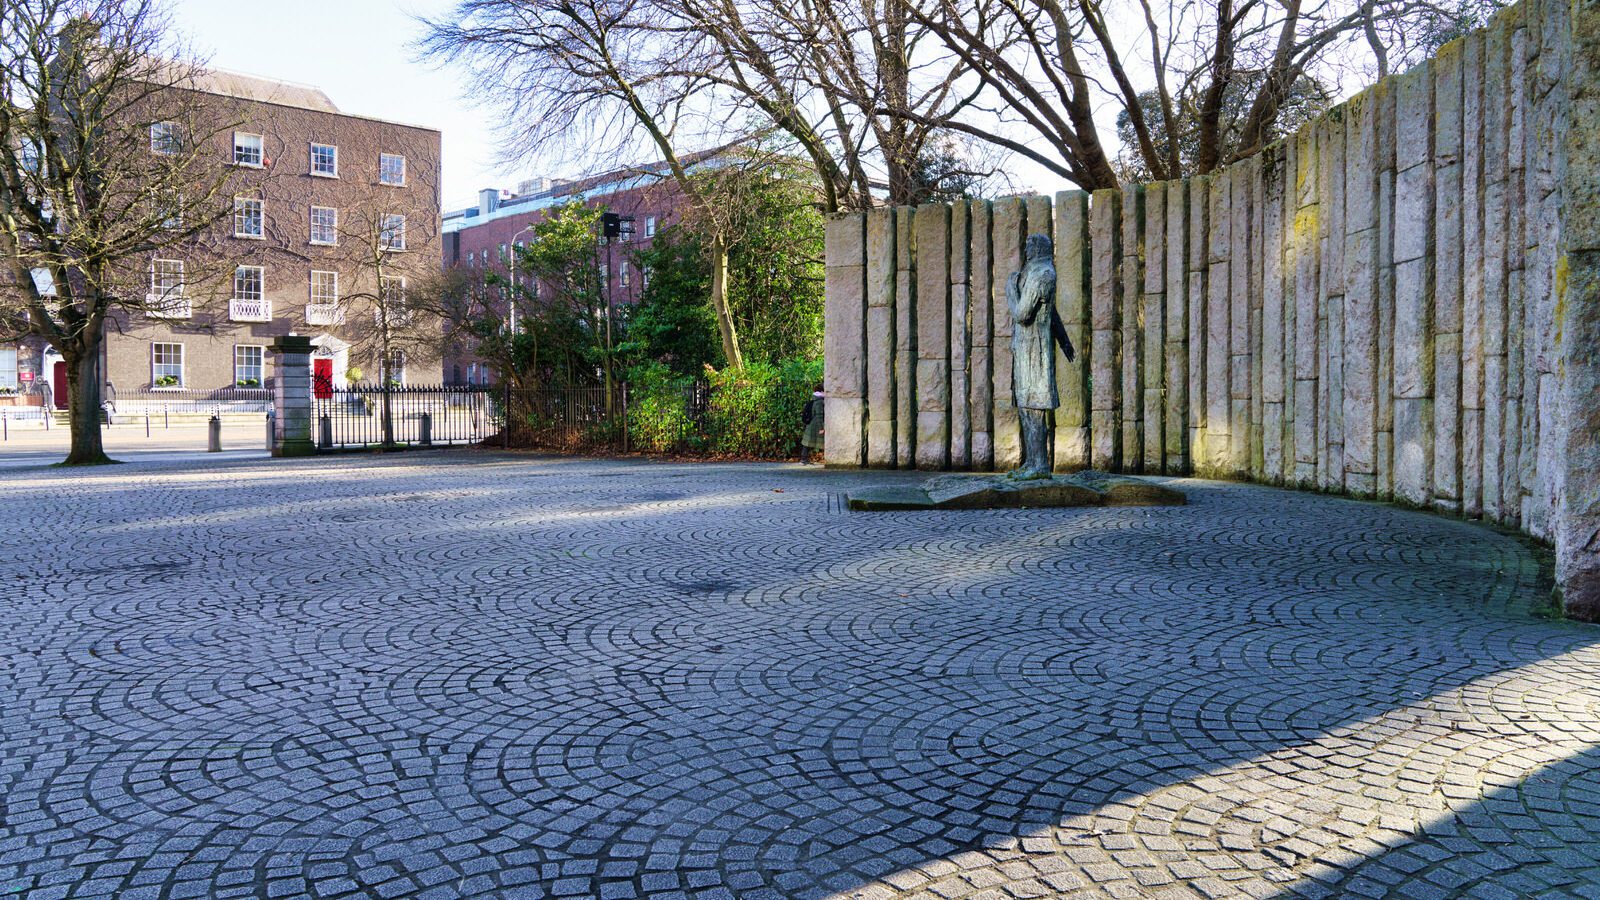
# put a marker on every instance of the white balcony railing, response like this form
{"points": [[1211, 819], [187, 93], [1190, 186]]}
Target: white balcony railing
{"points": [[250, 310], [159, 307], [324, 314]]}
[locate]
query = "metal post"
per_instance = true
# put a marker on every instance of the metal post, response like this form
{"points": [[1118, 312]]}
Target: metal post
{"points": [[165, 418], [147, 423], [325, 432], [425, 426], [214, 436], [271, 415], [611, 313]]}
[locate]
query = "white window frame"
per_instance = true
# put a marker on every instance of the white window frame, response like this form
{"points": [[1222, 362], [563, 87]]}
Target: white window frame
{"points": [[388, 231], [261, 282], [260, 150], [8, 368], [383, 174], [396, 372], [159, 369], [44, 281], [173, 210], [649, 226], [333, 227], [624, 272], [164, 139], [260, 363], [241, 216], [32, 154], [323, 298], [312, 159], [384, 287], [158, 288]]}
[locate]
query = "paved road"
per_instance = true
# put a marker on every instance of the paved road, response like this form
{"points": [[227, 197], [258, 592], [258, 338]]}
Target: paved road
{"points": [[463, 674]]}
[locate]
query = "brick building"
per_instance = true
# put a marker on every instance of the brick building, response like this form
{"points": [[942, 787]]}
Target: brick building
{"points": [[482, 238], [287, 257]]}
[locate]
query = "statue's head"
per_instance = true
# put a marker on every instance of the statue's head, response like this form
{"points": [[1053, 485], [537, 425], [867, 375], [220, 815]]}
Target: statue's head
{"points": [[1038, 247]]}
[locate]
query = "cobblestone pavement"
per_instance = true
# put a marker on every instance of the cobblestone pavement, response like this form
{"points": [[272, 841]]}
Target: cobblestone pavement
{"points": [[443, 675]]}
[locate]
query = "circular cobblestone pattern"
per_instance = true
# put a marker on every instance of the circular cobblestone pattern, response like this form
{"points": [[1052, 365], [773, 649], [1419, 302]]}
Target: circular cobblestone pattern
{"points": [[446, 675]]}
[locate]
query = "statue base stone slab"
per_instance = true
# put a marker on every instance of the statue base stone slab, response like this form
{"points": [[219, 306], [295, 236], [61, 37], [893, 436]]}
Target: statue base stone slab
{"points": [[1087, 488]]}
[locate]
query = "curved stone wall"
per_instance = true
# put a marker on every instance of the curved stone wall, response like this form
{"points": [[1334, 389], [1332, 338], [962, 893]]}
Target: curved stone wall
{"points": [[1393, 303]]}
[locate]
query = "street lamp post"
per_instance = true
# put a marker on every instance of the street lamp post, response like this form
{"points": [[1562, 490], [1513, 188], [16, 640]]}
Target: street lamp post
{"points": [[511, 264], [612, 226]]}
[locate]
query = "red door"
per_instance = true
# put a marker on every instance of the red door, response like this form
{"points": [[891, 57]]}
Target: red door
{"points": [[59, 385], [322, 378]]}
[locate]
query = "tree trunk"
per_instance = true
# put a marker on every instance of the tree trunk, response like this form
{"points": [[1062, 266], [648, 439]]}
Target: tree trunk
{"points": [[719, 303], [83, 411], [387, 419], [385, 411]]}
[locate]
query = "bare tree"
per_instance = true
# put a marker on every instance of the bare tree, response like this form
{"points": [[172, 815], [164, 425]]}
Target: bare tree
{"points": [[106, 158], [852, 84], [1221, 72], [595, 73], [877, 60]]}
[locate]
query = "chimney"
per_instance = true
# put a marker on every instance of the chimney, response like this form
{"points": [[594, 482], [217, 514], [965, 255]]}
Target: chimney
{"points": [[488, 201]]}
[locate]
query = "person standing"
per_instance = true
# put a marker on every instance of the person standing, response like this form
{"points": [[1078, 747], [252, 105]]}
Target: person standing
{"points": [[811, 417]]}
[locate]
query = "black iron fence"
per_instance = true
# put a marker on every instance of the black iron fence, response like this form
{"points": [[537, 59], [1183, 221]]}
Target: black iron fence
{"points": [[679, 417], [403, 416], [568, 419]]}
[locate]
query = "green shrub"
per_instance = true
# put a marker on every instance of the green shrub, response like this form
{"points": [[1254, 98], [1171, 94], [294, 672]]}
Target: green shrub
{"points": [[658, 408], [755, 411]]}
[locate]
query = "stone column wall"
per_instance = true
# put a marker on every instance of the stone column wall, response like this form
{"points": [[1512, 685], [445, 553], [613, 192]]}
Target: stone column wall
{"points": [[1397, 302], [1575, 435], [291, 396]]}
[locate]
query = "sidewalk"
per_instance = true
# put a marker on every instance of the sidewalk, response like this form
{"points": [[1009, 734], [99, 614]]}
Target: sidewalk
{"points": [[31, 444]]}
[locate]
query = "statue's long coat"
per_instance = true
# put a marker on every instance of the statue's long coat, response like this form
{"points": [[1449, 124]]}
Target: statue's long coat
{"points": [[1031, 296]]}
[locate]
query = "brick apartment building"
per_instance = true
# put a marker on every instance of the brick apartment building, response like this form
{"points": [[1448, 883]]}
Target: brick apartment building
{"points": [[483, 237], [284, 257]]}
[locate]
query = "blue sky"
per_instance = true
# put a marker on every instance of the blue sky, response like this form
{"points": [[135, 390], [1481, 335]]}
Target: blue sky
{"points": [[358, 51]]}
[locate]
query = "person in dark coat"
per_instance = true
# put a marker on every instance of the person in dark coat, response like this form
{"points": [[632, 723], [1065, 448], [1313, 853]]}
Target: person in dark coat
{"points": [[811, 415]]}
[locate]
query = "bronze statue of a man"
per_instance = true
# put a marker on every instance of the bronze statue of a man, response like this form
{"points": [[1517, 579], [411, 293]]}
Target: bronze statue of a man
{"points": [[1031, 293]]}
